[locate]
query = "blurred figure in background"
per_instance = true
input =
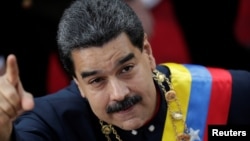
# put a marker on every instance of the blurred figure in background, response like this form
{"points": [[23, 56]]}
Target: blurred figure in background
{"points": [[216, 32], [242, 23], [28, 30], [165, 33]]}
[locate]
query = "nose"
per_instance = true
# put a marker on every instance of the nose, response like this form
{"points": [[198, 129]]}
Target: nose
{"points": [[118, 90]]}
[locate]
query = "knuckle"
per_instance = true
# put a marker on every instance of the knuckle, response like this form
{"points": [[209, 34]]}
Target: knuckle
{"points": [[2, 81], [13, 96], [3, 117], [8, 110]]}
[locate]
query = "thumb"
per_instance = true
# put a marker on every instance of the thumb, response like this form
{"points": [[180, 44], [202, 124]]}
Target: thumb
{"points": [[27, 100]]}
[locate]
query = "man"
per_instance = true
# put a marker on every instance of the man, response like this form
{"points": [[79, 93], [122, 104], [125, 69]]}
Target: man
{"points": [[117, 92]]}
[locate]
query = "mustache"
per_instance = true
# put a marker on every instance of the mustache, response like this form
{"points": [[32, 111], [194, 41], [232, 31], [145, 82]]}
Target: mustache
{"points": [[124, 104]]}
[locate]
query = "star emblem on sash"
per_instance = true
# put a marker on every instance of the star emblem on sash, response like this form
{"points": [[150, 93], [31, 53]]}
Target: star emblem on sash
{"points": [[194, 134]]}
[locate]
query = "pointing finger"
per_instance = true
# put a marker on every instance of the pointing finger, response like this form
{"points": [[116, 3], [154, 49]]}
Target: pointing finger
{"points": [[12, 72]]}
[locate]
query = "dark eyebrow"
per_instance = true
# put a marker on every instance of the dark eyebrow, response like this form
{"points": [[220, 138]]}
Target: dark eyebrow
{"points": [[120, 62], [88, 73], [126, 58]]}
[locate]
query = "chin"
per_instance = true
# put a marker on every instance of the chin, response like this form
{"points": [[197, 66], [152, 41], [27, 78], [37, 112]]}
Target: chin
{"points": [[131, 124]]}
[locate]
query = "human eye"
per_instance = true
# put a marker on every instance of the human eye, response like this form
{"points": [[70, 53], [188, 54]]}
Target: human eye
{"points": [[96, 80], [127, 68]]}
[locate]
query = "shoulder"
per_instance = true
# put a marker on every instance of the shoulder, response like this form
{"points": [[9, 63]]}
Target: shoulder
{"points": [[240, 97], [67, 99], [194, 69], [60, 103], [226, 84], [68, 93]]}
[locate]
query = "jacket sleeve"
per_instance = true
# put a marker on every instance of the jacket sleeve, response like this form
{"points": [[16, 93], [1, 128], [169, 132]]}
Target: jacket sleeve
{"points": [[36, 125], [239, 112]]}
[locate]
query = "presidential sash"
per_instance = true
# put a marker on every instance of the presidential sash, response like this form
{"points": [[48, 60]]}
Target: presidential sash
{"points": [[204, 94]]}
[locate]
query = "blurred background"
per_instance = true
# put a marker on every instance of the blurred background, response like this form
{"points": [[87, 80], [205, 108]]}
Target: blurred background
{"points": [[211, 33]]}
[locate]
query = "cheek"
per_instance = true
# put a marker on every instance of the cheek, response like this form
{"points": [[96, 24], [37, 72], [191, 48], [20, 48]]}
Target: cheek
{"points": [[98, 103], [139, 82], [144, 73], [143, 80]]}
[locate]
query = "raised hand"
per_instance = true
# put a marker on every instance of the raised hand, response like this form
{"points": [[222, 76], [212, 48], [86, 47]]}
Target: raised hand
{"points": [[14, 100]]}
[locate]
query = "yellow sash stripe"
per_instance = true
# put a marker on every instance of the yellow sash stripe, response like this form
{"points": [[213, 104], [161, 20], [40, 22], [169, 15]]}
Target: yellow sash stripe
{"points": [[181, 82]]}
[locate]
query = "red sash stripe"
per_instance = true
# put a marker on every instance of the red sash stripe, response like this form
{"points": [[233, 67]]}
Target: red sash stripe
{"points": [[220, 97]]}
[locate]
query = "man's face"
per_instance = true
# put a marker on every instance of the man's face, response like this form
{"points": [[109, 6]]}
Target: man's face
{"points": [[117, 81]]}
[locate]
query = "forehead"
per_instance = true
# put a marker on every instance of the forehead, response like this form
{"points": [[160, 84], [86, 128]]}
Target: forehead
{"points": [[99, 57]]}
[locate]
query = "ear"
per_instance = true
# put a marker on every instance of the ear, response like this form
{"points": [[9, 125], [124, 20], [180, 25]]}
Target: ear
{"points": [[148, 50], [77, 83]]}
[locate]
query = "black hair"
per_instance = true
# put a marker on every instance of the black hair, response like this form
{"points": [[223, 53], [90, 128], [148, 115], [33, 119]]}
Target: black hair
{"points": [[87, 23]]}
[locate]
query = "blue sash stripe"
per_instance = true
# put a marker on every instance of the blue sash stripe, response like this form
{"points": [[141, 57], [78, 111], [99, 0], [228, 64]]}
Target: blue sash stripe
{"points": [[199, 98]]}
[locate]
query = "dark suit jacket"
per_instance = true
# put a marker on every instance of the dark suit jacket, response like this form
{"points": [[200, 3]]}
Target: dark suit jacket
{"points": [[66, 116]]}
